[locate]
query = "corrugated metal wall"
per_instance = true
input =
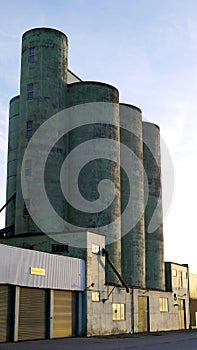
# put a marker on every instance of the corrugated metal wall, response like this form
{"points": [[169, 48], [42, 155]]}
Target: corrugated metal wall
{"points": [[3, 313], [62, 314], [32, 314], [60, 272]]}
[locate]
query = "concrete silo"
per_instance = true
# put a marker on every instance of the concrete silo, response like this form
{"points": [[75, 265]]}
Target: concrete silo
{"points": [[132, 197], [42, 94], [101, 99], [155, 274], [12, 159], [44, 91]]}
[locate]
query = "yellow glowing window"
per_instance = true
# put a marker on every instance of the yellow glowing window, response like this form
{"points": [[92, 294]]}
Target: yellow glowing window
{"points": [[164, 305], [118, 312], [95, 296]]}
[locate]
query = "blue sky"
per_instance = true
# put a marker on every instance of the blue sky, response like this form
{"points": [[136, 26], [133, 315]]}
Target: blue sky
{"points": [[148, 50]]}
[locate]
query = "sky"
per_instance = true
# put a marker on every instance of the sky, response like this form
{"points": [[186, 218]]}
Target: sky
{"points": [[148, 50]]}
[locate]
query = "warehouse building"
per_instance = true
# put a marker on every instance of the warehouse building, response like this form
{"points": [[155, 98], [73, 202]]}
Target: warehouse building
{"points": [[117, 252], [44, 295], [38, 295]]}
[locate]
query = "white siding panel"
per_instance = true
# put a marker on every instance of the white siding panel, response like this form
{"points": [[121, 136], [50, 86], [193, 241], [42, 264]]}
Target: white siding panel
{"points": [[60, 272]]}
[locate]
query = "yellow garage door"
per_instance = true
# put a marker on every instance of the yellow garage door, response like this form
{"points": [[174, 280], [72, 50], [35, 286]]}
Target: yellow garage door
{"points": [[143, 314], [3, 312], [62, 314], [32, 314]]}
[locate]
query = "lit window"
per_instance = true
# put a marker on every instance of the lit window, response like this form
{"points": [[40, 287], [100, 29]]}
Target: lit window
{"points": [[118, 312], [95, 296], [174, 273], [28, 168], [95, 248], [26, 207], [59, 248], [164, 305], [30, 91], [32, 54], [29, 128]]}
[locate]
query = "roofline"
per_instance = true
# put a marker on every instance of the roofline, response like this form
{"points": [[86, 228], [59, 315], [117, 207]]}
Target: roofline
{"points": [[175, 263], [76, 76]]}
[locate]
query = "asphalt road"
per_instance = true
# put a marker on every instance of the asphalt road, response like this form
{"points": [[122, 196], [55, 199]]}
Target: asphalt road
{"points": [[161, 341]]}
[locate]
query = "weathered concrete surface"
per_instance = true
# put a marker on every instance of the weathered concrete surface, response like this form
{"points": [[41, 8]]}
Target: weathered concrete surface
{"points": [[158, 341], [155, 270]]}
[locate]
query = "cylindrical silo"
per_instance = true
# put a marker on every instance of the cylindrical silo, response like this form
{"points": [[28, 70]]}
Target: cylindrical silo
{"points": [[132, 196], [42, 94], [12, 159], [155, 274], [104, 164]]}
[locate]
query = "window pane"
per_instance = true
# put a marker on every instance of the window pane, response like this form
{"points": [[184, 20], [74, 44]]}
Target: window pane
{"points": [[59, 248], [161, 304], [118, 312], [29, 124], [95, 296], [29, 128], [122, 312], [31, 59], [32, 54], [30, 90], [29, 133], [164, 305]]}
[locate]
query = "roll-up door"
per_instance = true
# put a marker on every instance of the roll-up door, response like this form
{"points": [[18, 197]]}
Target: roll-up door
{"points": [[3, 312], [62, 314], [32, 314]]}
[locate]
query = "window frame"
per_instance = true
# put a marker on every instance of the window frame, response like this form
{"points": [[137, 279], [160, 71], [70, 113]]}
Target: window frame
{"points": [[163, 304], [29, 128], [30, 91], [59, 248], [118, 312], [95, 296], [31, 55]]}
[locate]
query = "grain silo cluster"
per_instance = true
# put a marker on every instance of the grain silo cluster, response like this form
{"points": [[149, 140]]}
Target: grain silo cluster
{"points": [[129, 249]]}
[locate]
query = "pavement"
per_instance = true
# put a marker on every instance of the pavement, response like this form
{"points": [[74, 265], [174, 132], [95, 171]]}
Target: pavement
{"points": [[153, 341]]}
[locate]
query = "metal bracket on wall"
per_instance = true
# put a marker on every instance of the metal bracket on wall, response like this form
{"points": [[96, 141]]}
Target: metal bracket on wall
{"points": [[106, 254]]}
